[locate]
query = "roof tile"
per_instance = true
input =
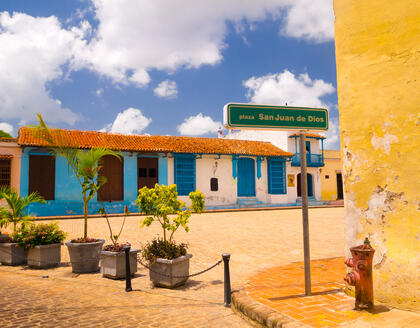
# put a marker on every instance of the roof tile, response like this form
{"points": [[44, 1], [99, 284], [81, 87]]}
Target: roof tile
{"points": [[144, 143]]}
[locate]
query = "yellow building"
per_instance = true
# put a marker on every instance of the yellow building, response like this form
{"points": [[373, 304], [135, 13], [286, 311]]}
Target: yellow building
{"points": [[378, 69], [331, 176]]}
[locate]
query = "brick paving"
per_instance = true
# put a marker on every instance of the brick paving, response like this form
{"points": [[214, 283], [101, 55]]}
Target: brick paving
{"points": [[282, 289], [257, 241]]}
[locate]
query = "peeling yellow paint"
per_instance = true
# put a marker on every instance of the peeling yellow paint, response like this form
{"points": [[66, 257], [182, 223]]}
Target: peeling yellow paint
{"points": [[378, 69]]}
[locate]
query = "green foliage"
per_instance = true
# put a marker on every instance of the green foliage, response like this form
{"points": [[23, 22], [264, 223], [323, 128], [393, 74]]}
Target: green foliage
{"points": [[4, 134], [85, 164], [159, 248], [161, 204], [16, 211], [41, 234]]}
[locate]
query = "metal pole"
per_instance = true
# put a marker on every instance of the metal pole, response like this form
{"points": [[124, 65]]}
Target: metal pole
{"points": [[226, 258], [127, 269], [304, 193]]}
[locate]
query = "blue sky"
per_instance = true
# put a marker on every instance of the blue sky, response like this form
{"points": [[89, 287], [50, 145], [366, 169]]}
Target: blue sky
{"points": [[162, 67]]}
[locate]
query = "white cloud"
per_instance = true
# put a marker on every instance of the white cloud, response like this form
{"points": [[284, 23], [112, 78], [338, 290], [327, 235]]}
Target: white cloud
{"points": [[134, 37], [277, 138], [282, 88], [130, 121], [6, 127], [333, 135], [198, 125], [33, 52], [311, 20], [166, 89], [99, 92]]}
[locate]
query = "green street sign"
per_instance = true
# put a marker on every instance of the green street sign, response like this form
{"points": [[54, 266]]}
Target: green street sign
{"points": [[265, 117]]}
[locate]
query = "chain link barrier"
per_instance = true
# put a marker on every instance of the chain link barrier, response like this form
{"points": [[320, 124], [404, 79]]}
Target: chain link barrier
{"points": [[45, 262], [170, 276]]}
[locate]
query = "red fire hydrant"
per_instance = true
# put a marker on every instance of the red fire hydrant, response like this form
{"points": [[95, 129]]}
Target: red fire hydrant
{"points": [[361, 277]]}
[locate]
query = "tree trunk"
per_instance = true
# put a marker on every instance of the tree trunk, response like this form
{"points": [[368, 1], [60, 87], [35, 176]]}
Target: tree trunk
{"points": [[85, 214]]}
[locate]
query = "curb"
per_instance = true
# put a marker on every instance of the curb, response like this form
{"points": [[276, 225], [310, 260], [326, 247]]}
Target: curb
{"points": [[261, 314]]}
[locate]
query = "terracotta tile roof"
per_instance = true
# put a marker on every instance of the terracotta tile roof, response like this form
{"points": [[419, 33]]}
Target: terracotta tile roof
{"points": [[3, 139], [163, 144], [309, 135]]}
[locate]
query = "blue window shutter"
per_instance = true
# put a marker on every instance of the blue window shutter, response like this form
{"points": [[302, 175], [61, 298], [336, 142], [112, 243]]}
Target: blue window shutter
{"points": [[184, 171], [277, 176]]}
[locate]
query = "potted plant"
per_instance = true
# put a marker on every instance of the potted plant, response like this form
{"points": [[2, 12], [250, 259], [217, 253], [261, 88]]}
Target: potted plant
{"points": [[84, 251], [113, 255], [16, 214], [43, 242], [167, 258]]}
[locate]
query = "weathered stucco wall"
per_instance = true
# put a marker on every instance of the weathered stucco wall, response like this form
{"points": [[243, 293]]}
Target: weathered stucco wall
{"points": [[378, 67]]}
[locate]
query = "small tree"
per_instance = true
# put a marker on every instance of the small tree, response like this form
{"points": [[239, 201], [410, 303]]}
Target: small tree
{"points": [[16, 212], [161, 204], [85, 164]]}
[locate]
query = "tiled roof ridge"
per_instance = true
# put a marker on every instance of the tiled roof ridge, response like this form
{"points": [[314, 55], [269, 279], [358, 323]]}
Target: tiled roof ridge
{"points": [[151, 143], [145, 135], [8, 139], [310, 135]]}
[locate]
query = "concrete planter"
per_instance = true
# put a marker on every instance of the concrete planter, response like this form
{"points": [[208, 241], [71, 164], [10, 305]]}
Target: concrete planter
{"points": [[12, 254], [44, 256], [177, 267], [84, 257], [113, 264], [4, 238]]}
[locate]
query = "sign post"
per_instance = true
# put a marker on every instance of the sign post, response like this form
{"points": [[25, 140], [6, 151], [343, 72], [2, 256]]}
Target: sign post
{"points": [[305, 217], [264, 117]]}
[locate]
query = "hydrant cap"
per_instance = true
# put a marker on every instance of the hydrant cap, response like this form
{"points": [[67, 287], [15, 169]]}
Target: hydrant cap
{"points": [[367, 241]]}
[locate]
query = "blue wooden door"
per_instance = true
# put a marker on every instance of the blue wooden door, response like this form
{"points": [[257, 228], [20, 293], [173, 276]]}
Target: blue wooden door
{"points": [[310, 185], [246, 177]]}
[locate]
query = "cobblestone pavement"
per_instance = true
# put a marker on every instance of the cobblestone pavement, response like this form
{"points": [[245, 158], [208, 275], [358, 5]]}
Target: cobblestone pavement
{"points": [[256, 240]]}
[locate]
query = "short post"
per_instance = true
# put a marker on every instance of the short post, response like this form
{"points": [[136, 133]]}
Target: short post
{"points": [[226, 258], [127, 269]]}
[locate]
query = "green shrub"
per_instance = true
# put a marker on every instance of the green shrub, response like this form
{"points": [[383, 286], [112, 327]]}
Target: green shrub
{"points": [[158, 248], [161, 204], [41, 234]]}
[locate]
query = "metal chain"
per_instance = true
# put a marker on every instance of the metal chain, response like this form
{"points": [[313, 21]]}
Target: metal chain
{"points": [[138, 260], [188, 276]]}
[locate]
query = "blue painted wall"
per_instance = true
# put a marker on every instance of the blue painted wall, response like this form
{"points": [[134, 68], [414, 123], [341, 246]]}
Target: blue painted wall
{"points": [[130, 177], [68, 193], [163, 170]]}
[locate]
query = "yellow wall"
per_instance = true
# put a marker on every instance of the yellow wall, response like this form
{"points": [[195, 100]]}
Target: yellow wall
{"points": [[378, 68], [333, 165]]}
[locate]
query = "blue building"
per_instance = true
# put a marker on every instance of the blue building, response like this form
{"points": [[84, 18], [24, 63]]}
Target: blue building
{"points": [[230, 173]]}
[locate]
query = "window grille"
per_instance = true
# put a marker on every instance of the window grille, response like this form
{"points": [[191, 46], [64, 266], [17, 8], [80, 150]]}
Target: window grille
{"points": [[185, 174], [276, 176], [5, 172]]}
